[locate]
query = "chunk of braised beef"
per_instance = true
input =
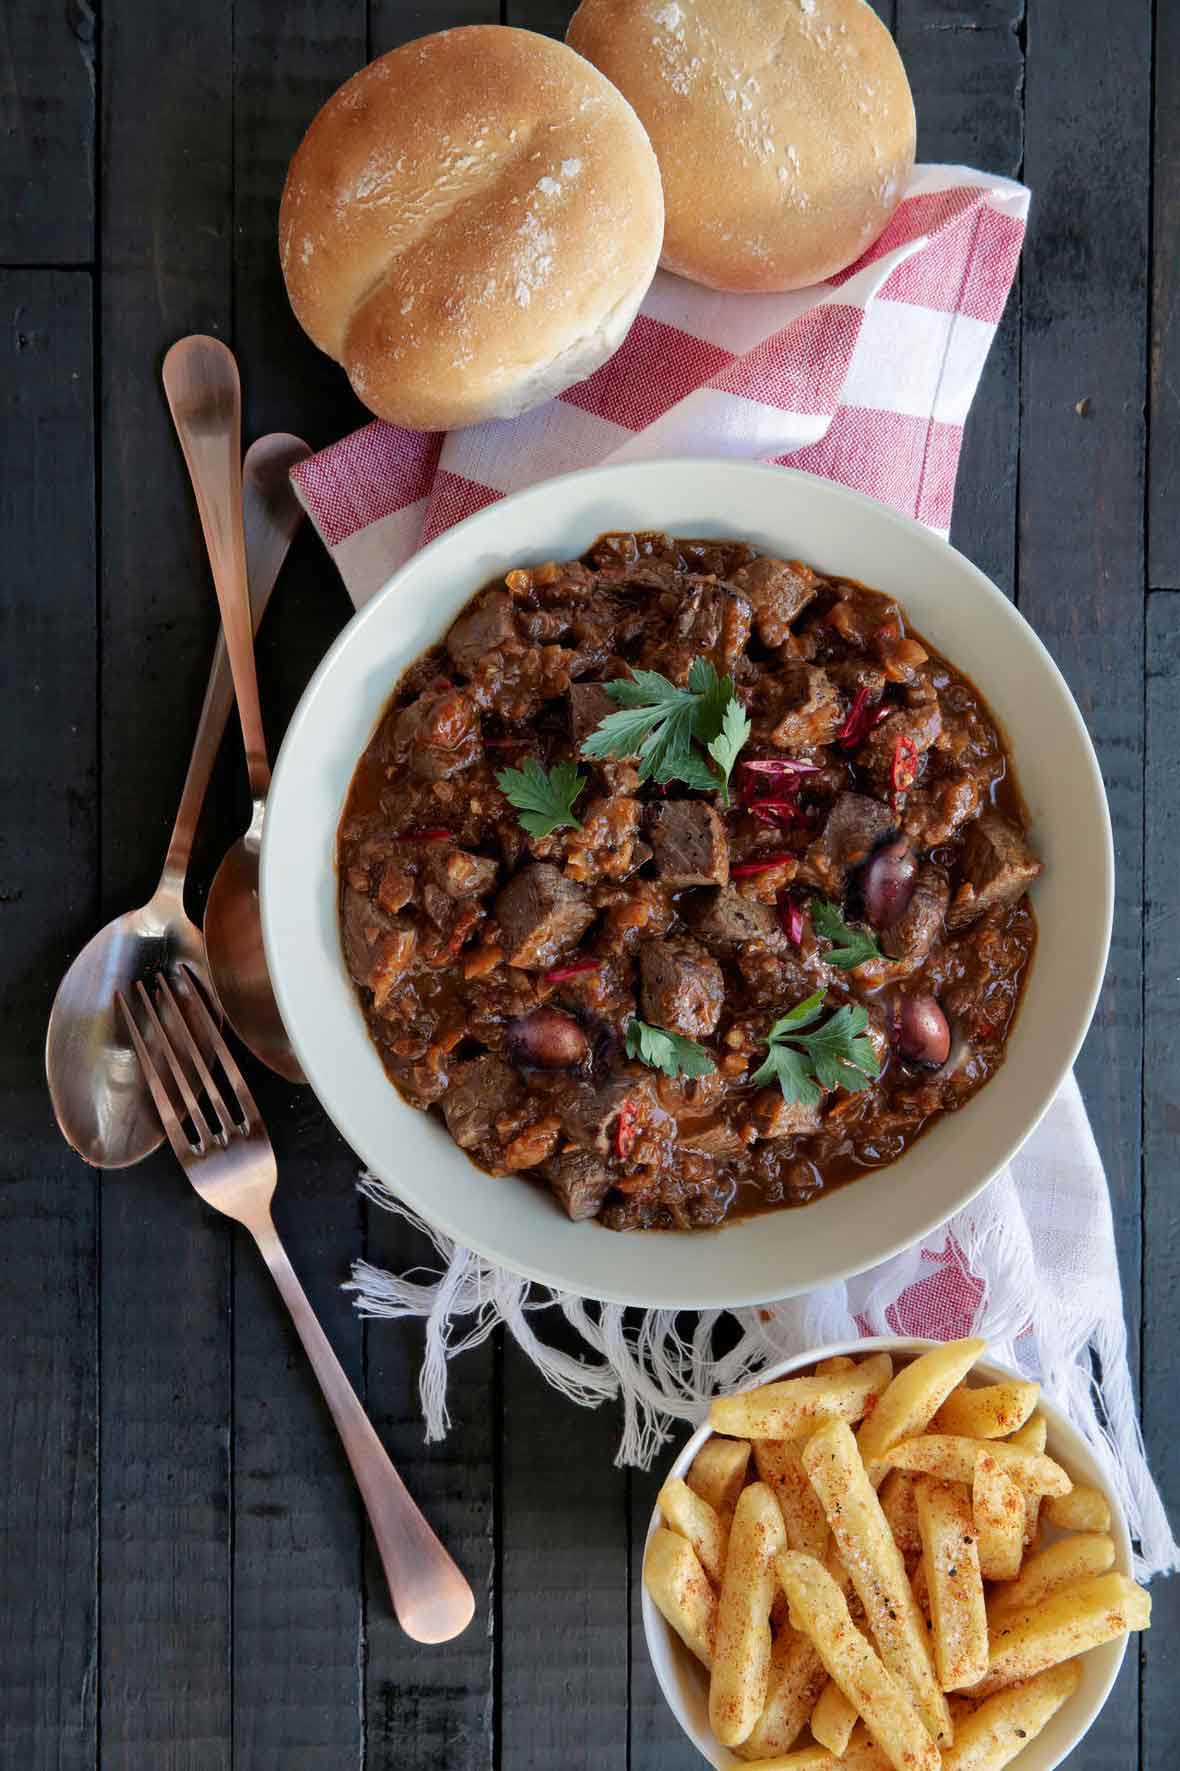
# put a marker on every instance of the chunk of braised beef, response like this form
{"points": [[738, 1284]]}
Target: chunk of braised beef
{"points": [[775, 979], [458, 873], [478, 1091], [773, 1116], [689, 844], [580, 1181], [395, 888], [725, 920], [487, 625], [777, 591], [998, 867], [940, 807], [682, 988], [541, 915], [611, 1119], [378, 947], [809, 711], [589, 705], [439, 734], [604, 847], [854, 826], [702, 619], [915, 931]]}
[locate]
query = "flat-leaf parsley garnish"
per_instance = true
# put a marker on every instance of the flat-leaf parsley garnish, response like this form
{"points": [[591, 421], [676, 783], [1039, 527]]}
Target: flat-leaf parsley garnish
{"points": [[659, 723], [852, 946], [668, 1052], [544, 798], [806, 1064]]}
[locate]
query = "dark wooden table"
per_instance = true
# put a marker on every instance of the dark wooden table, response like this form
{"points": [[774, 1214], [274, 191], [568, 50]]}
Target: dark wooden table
{"points": [[184, 1581]]}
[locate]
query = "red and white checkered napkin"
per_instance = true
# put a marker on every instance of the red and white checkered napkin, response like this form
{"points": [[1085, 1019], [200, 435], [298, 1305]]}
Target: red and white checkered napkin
{"points": [[868, 380]]}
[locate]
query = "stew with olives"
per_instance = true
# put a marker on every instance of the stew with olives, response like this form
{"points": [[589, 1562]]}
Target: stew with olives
{"points": [[687, 880]]}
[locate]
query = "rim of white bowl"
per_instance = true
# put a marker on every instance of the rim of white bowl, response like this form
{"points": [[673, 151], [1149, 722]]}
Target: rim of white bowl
{"points": [[658, 1294], [1081, 1710]]}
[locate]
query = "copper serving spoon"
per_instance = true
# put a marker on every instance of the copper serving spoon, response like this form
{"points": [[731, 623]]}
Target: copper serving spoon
{"points": [[100, 1099], [205, 398]]}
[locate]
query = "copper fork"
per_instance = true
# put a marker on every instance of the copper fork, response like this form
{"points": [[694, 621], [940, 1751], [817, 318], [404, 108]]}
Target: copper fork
{"points": [[227, 1155]]}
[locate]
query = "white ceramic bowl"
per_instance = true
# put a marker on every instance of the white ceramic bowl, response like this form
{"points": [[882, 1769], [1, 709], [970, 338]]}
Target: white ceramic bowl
{"points": [[513, 1221], [684, 1681]]}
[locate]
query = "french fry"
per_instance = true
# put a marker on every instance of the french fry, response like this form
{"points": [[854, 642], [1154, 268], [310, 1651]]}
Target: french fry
{"points": [[990, 1412], [900, 1506], [1069, 1559], [837, 1362], [1033, 1437], [860, 1755], [718, 1473], [950, 1558], [1066, 1623], [795, 1406], [998, 1506], [1082, 1509], [696, 1520], [797, 1677], [913, 1398], [991, 1736], [741, 1653], [820, 1609], [780, 1465], [952, 1459], [678, 1584], [874, 1563], [833, 1719]]}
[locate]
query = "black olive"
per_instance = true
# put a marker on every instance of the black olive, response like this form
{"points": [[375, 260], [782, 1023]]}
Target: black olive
{"points": [[923, 1034], [548, 1039], [887, 882]]}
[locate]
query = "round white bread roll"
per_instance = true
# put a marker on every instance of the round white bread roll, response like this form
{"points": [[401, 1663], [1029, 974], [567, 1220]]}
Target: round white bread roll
{"points": [[470, 224], [784, 129]]}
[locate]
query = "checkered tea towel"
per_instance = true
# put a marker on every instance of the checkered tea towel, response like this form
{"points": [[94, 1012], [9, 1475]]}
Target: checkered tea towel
{"points": [[866, 379]]}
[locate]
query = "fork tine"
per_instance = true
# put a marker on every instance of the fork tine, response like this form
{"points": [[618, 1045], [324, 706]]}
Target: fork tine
{"points": [[195, 1054], [173, 1129], [208, 1029], [192, 1105]]}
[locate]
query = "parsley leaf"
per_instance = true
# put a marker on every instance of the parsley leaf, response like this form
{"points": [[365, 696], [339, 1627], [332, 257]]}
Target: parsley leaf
{"points": [[735, 729], [853, 946], [806, 1064], [658, 722], [667, 1051], [543, 798]]}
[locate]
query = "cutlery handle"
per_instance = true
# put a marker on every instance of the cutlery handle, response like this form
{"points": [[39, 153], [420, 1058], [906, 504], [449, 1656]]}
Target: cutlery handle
{"points": [[205, 398], [272, 515], [431, 1599]]}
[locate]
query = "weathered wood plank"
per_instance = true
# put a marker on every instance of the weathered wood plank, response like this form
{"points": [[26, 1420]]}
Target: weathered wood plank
{"points": [[166, 1292], [563, 1615], [657, 1741], [48, 851], [297, 1524], [1161, 1122], [966, 68], [1164, 410], [429, 1707], [47, 105], [1081, 552]]}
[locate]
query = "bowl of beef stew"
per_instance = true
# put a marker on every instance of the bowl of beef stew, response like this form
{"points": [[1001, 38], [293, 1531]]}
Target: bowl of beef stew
{"points": [[707, 852]]}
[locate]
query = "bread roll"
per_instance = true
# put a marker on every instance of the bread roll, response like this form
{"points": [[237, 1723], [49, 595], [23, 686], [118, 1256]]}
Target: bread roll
{"points": [[784, 129], [469, 225]]}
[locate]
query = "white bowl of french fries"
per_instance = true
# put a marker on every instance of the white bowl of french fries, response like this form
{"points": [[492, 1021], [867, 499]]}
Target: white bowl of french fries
{"points": [[888, 1555]]}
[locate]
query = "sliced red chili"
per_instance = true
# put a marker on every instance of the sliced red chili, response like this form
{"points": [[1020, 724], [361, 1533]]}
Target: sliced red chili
{"points": [[783, 770], [426, 833], [749, 869], [856, 721], [904, 771], [626, 1130], [792, 917], [781, 813], [574, 969]]}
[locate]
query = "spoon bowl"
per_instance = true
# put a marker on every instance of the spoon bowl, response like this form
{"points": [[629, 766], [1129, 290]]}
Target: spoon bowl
{"points": [[100, 1100], [237, 963]]}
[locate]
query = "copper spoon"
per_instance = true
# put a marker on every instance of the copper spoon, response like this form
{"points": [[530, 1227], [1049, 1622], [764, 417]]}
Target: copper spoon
{"points": [[205, 398], [99, 1097]]}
